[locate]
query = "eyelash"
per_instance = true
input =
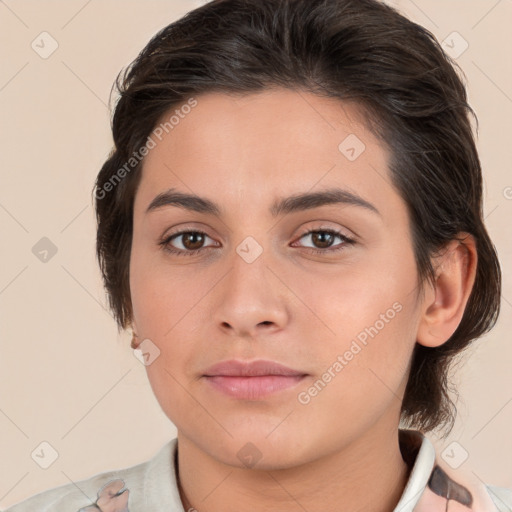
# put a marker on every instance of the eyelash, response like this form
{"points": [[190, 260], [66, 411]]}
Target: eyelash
{"points": [[179, 252]]}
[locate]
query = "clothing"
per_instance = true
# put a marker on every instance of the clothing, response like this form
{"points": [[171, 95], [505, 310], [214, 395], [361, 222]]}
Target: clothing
{"points": [[151, 486]]}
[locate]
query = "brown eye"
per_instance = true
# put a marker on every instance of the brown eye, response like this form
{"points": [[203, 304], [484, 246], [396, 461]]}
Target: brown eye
{"points": [[192, 240], [322, 239], [185, 243]]}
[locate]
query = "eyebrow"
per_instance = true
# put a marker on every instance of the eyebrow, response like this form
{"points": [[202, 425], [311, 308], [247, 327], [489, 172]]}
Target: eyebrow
{"points": [[294, 203]]}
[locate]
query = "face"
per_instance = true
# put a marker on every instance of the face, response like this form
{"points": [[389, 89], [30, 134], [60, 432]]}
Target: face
{"points": [[325, 285]]}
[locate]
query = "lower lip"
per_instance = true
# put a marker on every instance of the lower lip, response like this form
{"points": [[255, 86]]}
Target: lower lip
{"points": [[253, 388]]}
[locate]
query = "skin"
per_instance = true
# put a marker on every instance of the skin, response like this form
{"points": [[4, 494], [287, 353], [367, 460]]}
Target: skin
{"points": [[289, 305]]}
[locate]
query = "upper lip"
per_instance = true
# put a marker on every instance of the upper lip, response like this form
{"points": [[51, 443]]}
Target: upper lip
{"points": [[236, 368]]}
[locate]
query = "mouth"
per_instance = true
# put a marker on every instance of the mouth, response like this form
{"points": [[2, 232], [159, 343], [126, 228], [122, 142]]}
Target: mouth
{"points": [[252, 380]]}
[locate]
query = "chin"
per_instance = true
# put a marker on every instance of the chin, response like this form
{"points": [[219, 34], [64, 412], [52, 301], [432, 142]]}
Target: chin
{"points": [[256, 449]]}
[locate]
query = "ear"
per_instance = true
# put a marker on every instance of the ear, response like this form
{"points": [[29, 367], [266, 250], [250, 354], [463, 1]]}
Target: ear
{"points": [[135, 338], [444, 303]]}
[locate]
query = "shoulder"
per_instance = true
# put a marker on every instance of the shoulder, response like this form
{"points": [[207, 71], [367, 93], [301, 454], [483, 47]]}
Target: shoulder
{"points": [[84, 495], [114, 491], [501, 496]]}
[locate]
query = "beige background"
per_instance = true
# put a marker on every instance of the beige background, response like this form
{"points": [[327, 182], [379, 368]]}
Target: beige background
{"points": [[66, 376]]}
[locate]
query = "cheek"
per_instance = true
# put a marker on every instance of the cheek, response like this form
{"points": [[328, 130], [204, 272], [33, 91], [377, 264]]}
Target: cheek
{"points": [[363, 324], [168, 306], [162, 294], [360, 303], [363, 368], [163, 307]]}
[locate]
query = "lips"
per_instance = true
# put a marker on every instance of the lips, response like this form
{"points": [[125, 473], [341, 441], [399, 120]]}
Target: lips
{"points": [[251, 380], [236, 368]]}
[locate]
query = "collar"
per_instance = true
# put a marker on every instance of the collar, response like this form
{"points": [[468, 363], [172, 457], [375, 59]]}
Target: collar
{"points": [[434, 486]]}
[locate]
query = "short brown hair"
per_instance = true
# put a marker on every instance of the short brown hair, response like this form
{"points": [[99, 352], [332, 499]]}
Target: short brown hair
{"points": [[353, 50]]}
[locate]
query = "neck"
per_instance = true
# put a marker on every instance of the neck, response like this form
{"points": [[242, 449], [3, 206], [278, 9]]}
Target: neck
{"points": [[369, 474]]}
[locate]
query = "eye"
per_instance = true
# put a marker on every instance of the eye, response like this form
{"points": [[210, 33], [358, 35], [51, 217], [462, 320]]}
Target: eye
{"points": [[324, 238], [191, 243]]}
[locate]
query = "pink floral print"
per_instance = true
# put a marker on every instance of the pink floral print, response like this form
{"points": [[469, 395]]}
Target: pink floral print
{"points": [[112, 497]]}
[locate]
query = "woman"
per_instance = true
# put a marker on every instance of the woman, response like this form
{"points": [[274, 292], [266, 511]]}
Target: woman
{"points": [[290, 222]]}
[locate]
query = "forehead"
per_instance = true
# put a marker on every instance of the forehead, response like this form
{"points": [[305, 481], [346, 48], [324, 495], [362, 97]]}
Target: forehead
{"points": [[265, 144]]}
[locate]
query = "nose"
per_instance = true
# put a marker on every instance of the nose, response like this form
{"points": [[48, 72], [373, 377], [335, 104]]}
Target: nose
{"points": [[250, 300]]}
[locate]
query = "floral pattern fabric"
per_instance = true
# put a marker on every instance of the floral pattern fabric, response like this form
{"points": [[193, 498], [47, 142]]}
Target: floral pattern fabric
{"points": [[444, 493], [112, 497]]}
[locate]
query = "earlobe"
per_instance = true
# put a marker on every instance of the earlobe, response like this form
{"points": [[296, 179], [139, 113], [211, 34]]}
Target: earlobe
{"points": [[135, 339], [444, 306]]}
